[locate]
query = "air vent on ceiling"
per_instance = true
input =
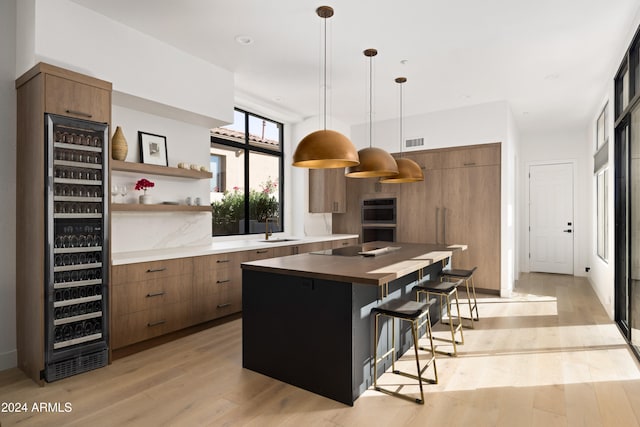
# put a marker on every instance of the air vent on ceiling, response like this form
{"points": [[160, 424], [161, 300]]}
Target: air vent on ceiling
{"points": [[413, 142]]}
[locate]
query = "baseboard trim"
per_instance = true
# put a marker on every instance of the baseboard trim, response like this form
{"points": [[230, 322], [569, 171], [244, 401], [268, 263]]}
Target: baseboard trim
{"points": [[8, 360]]}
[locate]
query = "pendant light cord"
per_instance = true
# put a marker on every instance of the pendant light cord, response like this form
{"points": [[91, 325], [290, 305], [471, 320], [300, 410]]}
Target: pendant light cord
{"points": [[370, 101], [401, 144], [324, 71]]}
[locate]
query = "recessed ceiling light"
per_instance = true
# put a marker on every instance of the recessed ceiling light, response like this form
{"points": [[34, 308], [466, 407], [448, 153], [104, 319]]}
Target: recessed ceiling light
{"points": [[244, 40]]}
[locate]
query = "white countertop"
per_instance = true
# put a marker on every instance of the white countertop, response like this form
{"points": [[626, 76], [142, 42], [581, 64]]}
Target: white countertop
{"points": [[218, 247]]}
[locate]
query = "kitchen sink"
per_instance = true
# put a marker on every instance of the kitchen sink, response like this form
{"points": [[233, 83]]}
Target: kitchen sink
{"points": [[277, 240]]}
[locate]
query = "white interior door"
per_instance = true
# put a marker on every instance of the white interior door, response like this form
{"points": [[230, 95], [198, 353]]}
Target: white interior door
{"points": [[551, 218]]}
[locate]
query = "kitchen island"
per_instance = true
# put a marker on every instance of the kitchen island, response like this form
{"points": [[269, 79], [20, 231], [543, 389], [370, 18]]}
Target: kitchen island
{"points": [[306, 318]]}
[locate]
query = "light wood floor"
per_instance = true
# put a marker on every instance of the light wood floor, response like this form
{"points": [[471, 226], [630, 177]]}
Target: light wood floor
{"points": [[547, 356]]}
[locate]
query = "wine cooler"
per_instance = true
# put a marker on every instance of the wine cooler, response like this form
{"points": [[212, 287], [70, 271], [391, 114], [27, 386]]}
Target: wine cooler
{"points": [[76, 266]]}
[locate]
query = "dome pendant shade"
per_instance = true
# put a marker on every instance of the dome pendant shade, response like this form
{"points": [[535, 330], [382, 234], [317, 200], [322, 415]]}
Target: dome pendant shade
{"points": [[408, 171], [374, 162], [325, 149]]}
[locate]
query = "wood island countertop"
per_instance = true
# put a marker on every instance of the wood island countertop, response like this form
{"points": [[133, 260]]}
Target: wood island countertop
{"points": [[400, 260]]}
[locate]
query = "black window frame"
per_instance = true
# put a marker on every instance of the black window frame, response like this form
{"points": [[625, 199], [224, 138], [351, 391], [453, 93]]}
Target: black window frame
{"points": [[248, 148]]}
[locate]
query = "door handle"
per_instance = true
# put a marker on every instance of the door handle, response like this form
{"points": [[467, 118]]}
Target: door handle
{"points": [[568, 231]]}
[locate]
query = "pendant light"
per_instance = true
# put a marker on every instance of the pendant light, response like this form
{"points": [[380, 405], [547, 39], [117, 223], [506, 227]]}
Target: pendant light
{"points": [[374, 162], [408, 170], [325, 149]]}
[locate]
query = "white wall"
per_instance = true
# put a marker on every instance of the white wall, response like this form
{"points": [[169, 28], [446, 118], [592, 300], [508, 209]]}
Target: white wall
{"points": [[144, 70], [185, 143], [476, 124], [552, 147], [602, 271], [8, 188], [602, 274]]}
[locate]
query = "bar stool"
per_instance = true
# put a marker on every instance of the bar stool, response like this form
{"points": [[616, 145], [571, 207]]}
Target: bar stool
{"points": [[467, 276], [410, 311], [444, 290]]}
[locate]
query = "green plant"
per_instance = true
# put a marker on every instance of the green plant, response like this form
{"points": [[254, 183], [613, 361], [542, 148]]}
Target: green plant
{"points": [[262, 204]]}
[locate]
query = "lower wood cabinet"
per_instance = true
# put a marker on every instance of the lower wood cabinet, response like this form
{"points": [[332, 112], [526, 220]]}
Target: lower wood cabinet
{"points": [[155, 298], [217, 286], [150, 299], [142, 325]]}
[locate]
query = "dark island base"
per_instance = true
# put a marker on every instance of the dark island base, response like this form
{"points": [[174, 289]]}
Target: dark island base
{"points": [[318, 334]]}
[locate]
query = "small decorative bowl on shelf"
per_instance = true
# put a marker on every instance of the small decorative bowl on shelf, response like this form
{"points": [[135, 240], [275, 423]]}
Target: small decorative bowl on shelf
{"points": [[144, 184]]}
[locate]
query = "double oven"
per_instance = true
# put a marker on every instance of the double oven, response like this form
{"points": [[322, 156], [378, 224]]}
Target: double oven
{"points": [[379, 220]]}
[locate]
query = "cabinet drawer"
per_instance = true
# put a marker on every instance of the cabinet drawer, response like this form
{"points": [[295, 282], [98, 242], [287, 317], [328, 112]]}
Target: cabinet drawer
{"points": [[69, 98], [226, 301], [259, 254], [151, 270], [138, 296], [468, 157], [217, 262], [142, 325], [215, 281]]}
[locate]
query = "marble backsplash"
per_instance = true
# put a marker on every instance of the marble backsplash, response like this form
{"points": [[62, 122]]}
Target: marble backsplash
{"points": [[139, 232]]}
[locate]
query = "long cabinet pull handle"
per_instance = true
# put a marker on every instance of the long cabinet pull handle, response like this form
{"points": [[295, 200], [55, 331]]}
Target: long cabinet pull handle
{"points": [[469, 164], [156, 294], [444, 227], [222, 260], [223, 281], [159, 322], [156, 270], [224, 305], [79, 113], [437, 224], [262, 252]]}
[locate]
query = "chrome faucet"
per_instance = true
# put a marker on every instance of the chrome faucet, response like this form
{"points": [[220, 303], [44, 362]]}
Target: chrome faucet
{"points": [[266, 227]]}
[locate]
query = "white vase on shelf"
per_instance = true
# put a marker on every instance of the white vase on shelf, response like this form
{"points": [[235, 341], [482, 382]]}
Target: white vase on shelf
{"points": [[145, 199]]}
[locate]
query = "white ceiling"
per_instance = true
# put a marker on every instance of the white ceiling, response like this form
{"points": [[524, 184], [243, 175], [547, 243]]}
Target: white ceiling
{"points": [[550, 59]]}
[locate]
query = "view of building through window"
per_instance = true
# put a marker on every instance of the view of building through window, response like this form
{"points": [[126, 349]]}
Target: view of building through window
{"points": [[246, 187]]}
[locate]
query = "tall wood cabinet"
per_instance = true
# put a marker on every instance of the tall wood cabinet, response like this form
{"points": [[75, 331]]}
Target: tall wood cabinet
{"points": [[48, 89], [458, 202]]}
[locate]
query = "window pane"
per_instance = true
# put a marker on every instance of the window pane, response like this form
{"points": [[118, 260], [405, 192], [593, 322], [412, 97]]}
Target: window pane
{"points": [[602, 234], [601, 129], [264, 133], [227, 190], [236, 209], [233, 132], [264, 195]]}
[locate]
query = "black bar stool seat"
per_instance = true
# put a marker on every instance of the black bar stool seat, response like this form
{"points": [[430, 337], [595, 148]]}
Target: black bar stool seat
{"points": [[413, 312], [444, 290], [467, 276]]}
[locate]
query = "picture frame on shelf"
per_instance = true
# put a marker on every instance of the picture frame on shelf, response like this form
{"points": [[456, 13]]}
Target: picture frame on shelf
{"points": [[153, 148]]}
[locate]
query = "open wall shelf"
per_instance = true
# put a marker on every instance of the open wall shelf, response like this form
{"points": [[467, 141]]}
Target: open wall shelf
{"points": [[143, 168]]}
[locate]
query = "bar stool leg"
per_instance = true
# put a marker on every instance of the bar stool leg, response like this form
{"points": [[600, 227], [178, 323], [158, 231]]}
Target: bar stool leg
{"points": [[414, 331], [453, 328], [475, 300]]}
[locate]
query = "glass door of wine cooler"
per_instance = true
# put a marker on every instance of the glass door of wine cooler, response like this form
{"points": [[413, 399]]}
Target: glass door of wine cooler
{"points": [[77, 251]]}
